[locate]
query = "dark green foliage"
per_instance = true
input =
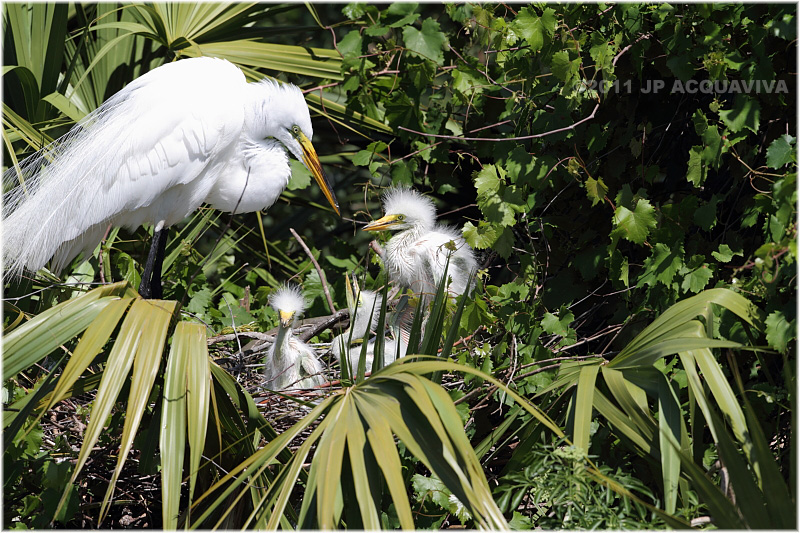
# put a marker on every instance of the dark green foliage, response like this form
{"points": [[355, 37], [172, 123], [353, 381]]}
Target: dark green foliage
{"points": [[557, 493]]}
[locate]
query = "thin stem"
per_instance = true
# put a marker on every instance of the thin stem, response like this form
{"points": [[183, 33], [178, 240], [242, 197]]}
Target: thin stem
{"points": [[319, 269], [502, 139]]}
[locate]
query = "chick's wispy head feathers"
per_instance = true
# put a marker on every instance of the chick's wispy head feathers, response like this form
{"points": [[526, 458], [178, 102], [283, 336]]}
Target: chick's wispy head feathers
{"points": [[288, 300], [418, 210]]}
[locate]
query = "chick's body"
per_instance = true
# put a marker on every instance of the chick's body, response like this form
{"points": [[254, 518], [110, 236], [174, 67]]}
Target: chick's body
{"points": [[364, 318], [290, 363]]}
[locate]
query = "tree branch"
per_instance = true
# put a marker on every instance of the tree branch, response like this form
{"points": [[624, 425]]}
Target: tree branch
{"points": [[493, 139], [319, 270]]}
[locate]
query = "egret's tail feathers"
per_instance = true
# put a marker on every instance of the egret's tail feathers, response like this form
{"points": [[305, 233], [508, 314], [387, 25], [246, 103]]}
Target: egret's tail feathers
{"points": [[27, 247]]}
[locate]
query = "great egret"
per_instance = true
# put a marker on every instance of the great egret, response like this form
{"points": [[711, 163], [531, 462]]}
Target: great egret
{"points": [[186, 133], [365, 308], [417, 256], [290, 362]]}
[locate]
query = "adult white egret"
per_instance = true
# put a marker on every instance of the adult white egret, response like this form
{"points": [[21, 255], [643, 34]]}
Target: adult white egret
{"points": [[186, 133], [417, 256], [365, 308], [290, 363]]}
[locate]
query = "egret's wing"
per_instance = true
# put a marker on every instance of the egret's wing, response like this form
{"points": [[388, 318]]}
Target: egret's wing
{"points": [[402, 318], [431, 251], [434, 249], [309, 363], [339, 345], [135, 159]]}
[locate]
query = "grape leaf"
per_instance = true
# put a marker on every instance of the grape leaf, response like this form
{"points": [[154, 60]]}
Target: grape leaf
{"points": [[596, 190], [481, 236], [556, 325], [200, 301], [534, 28], [504, 243], [430, 487], [427, 42], [563, 67], [779, 331], [725, 254], [706, 215], [406, 10], [713, 146], [696, 172], [351, 45], [662, 265], [696, 280], [520, 165], [781, 151], [354, 10], [681, 66], [496, 210], [489, 235], [634, 225], [746, 113], [487, 180]]}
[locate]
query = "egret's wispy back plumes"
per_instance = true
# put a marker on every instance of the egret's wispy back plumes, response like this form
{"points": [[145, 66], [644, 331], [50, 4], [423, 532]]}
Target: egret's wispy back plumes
{"points": [[417, 256], [290, 362], [184, 134]]}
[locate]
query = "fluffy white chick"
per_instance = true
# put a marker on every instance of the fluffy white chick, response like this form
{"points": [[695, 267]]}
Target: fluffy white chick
{"points": [[417, 256], [290, 363]]}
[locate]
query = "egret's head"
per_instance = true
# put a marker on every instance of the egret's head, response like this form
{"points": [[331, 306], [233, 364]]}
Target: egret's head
{"points": [[288, 302], [404, 208], [286, 118]]}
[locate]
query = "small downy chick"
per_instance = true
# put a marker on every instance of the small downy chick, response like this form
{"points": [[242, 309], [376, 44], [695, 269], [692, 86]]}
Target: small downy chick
{"points": [[365, 308], [417, 255], [290, 363]]}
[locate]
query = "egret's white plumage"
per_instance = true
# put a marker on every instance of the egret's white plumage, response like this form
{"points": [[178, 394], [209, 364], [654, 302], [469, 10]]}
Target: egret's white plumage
{"points": [[365, 312], [290, 363], [416, 257], [186, 133]]}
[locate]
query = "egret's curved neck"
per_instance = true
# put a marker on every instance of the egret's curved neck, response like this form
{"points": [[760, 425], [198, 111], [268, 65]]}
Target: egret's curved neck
{"points": [[282, 344], [254, 180], [258, 120], [362, 320], [404, 239]]}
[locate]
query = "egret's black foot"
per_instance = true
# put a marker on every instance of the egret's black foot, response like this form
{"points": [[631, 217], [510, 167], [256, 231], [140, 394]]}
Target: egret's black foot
{"points": [[150, 286]]}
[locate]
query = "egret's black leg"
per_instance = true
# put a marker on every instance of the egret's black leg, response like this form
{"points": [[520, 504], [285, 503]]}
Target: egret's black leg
{"points": [[150, 287]]}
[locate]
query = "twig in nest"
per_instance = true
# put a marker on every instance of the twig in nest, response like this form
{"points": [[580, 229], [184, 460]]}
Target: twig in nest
{"points": [[322, 325], [319, 270], [231, 336]]}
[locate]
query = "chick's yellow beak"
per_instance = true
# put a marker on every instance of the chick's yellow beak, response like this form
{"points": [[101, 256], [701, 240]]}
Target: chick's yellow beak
{"points": [[311, 160], [351, 299], [382, 223], [286, 318]]}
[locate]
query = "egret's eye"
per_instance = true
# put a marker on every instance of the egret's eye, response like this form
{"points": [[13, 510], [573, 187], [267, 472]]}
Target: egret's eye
{"points": [[401, 217], [295, 130]]}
